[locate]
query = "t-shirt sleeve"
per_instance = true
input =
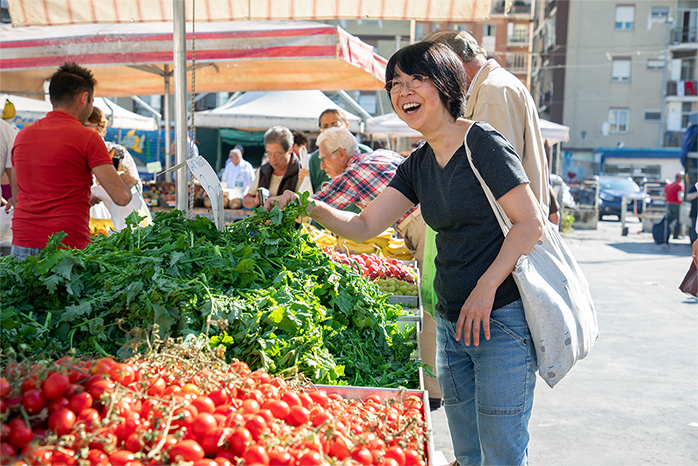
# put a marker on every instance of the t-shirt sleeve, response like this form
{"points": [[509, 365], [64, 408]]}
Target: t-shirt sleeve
{"points": [[97, 153], [405, 173], [496, 160]]}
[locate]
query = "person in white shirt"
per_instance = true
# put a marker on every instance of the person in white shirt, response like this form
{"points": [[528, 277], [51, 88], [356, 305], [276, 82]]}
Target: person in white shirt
{"points": [[7, 139], [238, 174]]}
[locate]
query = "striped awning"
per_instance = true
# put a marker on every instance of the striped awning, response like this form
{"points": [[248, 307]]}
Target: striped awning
{"points": [[57, 12], [128, 58]]}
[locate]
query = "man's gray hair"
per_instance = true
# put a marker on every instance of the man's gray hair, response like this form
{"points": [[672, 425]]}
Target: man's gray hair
{"points": [[339, 138], [461, 42]]}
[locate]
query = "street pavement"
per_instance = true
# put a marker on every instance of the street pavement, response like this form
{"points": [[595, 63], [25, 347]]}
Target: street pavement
{"points": [[634, 399]]}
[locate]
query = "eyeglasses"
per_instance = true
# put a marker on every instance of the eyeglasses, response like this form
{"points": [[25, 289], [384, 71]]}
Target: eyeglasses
{"points": [[336, 124], [322, 158], [394, 86], [276, 155]]}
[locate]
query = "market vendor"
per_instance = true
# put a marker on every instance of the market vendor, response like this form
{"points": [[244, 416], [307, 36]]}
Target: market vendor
{"points": [[281, 172], [54, 160], [358, 178]]}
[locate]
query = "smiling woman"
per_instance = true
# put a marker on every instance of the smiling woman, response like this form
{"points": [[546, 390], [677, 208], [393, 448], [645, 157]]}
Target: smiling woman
{"points": [[478, 300]]}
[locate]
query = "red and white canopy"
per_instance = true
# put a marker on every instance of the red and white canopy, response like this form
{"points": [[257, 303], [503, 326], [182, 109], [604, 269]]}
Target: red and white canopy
{"points": [[230, 56], [54, 12]]}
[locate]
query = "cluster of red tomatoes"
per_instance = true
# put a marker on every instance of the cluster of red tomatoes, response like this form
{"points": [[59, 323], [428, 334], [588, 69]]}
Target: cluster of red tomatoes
{"points": [[141, 413], [373, 266]]}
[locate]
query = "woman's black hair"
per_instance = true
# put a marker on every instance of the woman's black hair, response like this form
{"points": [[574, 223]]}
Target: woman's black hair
{"points": [[440, 64]]}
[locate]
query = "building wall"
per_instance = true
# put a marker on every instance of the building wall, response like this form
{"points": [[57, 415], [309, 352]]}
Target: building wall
{"points": [[593, 44]]}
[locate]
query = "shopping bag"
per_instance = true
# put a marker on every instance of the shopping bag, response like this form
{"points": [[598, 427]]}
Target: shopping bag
{"points": [[555, 294], [689, 285], [429, 272]]}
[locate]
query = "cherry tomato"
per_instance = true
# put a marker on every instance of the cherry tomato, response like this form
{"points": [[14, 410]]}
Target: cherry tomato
{"points": [[55, 385], [278, 456], [291, 398], [256, 424], [61, 421], [256, 454], [102, 366], [388, 461], [298, 415], [122, 458], [362, 455], [310, 458], [7, 452], [56, 404], [203, 424], [279, 408], [215, 440], [191, 388], [80, 401], [250, 406], [64, 457], [204, 404], [99, 387], [97, 458], [240, 367], [397, 453], [219, 397], [205, 462], [186, 450], [156, 387], [239, 440], [20, 435], [260, 377], [33, 401], [122, 373], [4, 387], [320, 397], [412, 457]]}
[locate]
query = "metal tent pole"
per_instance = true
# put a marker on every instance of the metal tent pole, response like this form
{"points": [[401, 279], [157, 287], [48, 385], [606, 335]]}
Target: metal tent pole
{"points": [[180, 101]]}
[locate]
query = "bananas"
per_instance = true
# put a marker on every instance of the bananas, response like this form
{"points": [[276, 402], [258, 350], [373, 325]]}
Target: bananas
{"points": [[8, 111], [384, 245]]}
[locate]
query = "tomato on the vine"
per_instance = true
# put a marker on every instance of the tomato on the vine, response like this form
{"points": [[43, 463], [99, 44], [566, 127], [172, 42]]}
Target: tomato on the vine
{"points": [[256, 454], [61, 421], [186, 450], [122, 373], [33, 401]]}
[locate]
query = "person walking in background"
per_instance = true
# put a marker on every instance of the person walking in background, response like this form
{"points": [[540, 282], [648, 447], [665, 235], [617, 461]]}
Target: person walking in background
{"points": [[673, 193], [330, 118], [692, 197], [359, 178], [238, 174], [128, 170], [54, 160], [281, 172], [486, 358], [8, 133]]}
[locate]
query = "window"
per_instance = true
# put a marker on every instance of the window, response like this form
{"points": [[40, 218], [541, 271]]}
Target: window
{"points": [[520, 33], [659, 14], [655, 64], [620, 70], [625, 18], [618, 120], [652, 115], [488, 29], [519, 60]]}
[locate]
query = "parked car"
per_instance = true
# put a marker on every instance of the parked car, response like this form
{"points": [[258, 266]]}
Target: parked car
{"points": [[611, 191]]}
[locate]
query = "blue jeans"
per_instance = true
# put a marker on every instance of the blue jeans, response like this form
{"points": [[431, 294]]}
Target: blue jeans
{"points": [[21, 253], [488, 389]]}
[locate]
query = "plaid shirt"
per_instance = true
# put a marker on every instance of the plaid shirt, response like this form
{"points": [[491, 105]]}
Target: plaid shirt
{"points": [[364, 178]]}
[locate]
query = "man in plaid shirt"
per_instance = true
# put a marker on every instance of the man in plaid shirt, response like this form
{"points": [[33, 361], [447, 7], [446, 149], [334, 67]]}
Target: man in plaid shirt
{"points": [[359, 178]]}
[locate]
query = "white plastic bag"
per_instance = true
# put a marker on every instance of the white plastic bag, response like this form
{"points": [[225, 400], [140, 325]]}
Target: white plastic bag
{"points": [[306, 186], [5, 227]]}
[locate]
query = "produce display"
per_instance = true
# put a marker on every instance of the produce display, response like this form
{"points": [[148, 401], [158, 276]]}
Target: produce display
{"points": [[180, 405], [391, 275], [384, 245], [259, 292]]}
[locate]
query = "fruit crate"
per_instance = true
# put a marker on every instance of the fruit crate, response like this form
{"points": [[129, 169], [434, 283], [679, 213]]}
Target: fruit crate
{"points": [[411, 304], [360, 393]]}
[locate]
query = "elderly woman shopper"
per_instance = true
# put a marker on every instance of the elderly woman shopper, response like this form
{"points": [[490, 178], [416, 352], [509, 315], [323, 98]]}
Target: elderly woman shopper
{"points": [[486, 361], [281, 172]]}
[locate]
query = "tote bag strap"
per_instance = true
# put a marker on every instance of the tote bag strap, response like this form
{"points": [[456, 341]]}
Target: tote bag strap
{"points": [[502, 218]]}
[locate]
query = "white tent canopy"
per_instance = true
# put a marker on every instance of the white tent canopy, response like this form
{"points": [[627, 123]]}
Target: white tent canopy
{"points": [[260, 110], [30, 110], [390, 125]]}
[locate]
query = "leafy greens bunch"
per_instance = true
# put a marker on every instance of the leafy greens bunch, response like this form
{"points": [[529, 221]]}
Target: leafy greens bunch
{"points": [[260, 290]]}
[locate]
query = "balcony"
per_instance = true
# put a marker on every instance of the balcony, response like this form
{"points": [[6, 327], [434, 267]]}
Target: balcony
{"points": [[682, 88], [518, 7], [682, 35]]}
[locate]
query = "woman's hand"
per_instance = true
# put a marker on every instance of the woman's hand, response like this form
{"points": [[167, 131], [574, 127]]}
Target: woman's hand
{"points": [[475, 314], [283, 200], [302, 173]]}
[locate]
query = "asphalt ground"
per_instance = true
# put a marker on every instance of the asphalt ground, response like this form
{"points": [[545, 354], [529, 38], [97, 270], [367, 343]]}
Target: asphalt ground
{"points": [[634, 399]]}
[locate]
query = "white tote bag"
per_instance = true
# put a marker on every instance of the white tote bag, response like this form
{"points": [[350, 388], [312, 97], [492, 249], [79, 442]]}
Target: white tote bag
{"points": [[559, 310]]}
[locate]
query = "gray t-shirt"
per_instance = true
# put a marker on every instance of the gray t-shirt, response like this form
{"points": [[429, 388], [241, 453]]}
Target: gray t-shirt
{"points": [[454, 205]]}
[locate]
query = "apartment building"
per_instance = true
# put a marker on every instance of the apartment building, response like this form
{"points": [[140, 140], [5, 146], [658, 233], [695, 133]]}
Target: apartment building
{"points": [[622, 76]]}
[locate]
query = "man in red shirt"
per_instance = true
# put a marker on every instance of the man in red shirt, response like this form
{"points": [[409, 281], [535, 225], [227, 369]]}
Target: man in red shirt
{"points": [[673, 193], [54, 160]]}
